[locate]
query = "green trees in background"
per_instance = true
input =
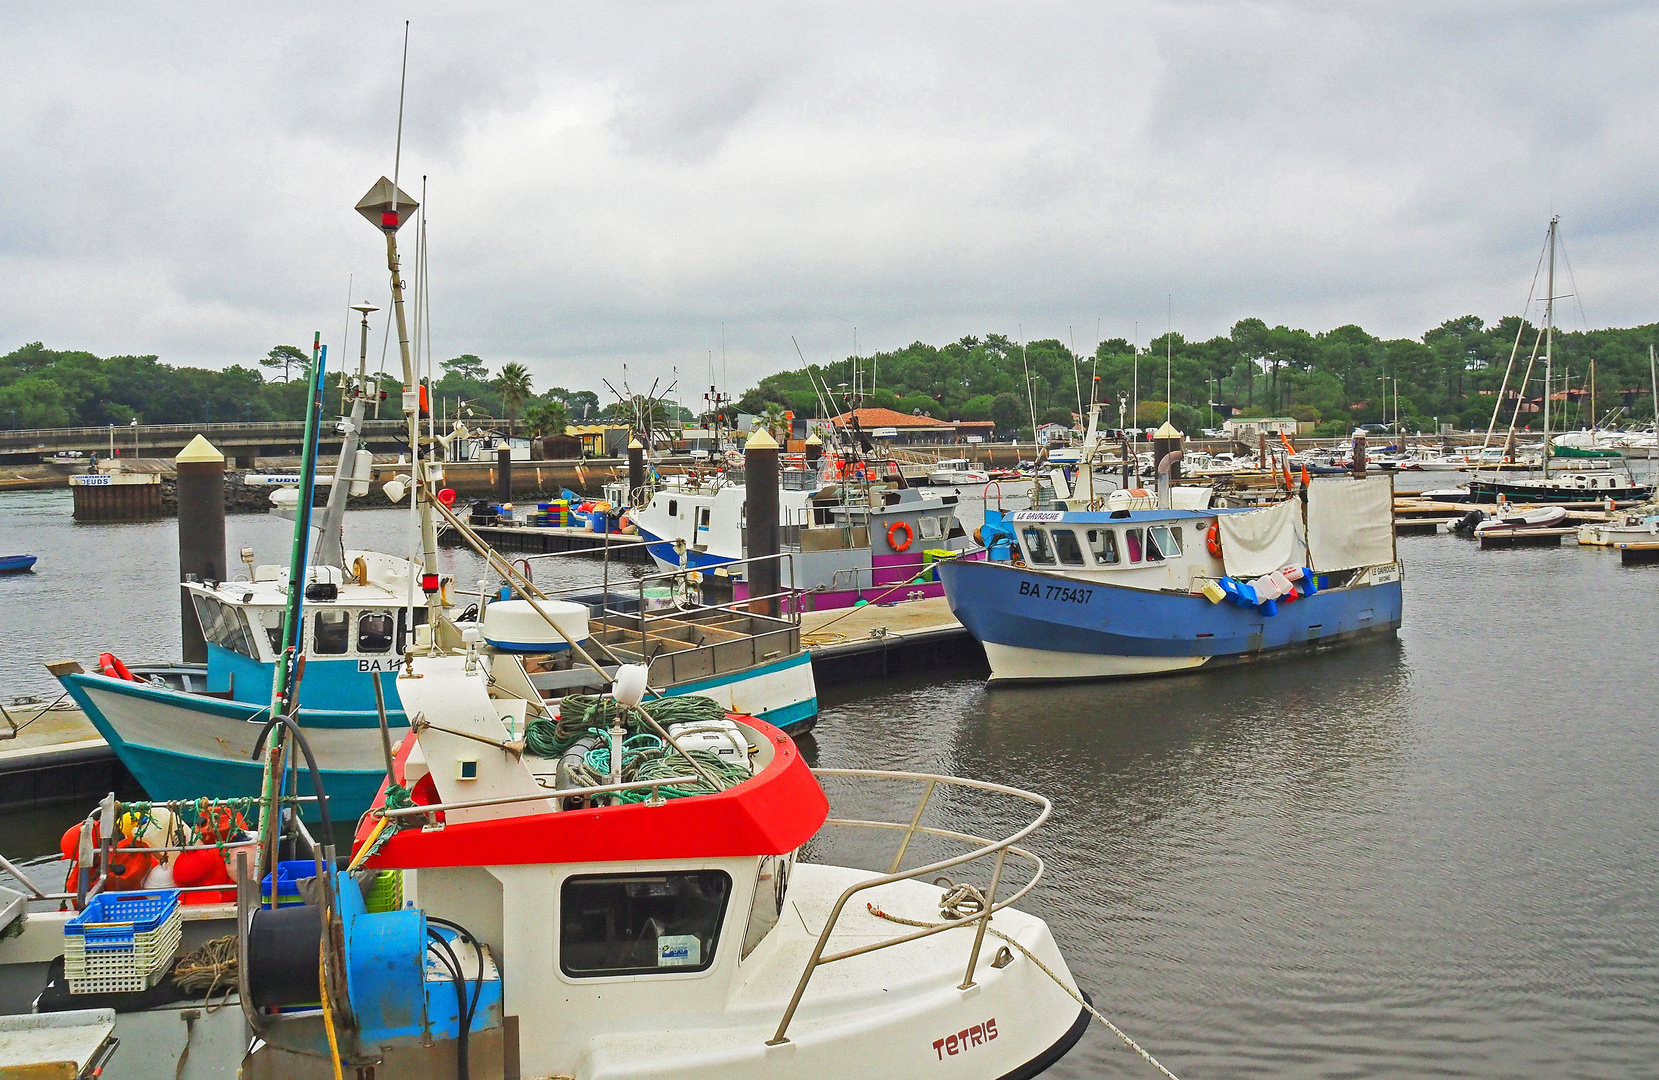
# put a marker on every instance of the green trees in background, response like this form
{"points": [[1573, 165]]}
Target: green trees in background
{"points": [[1336, 379]]}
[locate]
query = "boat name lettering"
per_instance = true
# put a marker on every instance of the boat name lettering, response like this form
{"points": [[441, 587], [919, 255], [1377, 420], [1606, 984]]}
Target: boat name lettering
{"points": [[1064, 593], [378, 665], [1039, 515], [977, 1035], [94, 481]]}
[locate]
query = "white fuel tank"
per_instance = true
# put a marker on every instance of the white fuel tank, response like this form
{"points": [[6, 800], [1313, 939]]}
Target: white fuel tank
{"points": [[516, 626]]}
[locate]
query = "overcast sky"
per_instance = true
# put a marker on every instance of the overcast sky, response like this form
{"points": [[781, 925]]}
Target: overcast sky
{"points": [[610, 184]]}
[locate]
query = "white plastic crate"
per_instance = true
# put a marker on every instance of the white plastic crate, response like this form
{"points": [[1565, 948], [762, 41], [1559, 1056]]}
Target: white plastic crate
{"points": [[120, 957]]}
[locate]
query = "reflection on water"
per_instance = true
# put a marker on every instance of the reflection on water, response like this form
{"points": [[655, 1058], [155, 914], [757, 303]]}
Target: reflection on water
{"points": [[1431, 855]]}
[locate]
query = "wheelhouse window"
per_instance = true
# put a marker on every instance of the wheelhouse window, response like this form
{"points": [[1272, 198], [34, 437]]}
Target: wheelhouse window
{"points": [[269, 619], [771, 883], [930, 527], [641, 924], [1162, 543], [331, 635], [1132, 541], [224, 625], [1103, 545], [374, 632], [1037, 550], [1065, 546]]}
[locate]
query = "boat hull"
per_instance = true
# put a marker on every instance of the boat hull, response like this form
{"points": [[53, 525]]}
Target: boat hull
{"points": [[1487, 491], [181, 745], [1041, 627]]}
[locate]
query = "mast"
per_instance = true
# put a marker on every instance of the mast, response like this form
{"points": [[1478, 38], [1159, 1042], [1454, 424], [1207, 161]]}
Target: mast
{"points": [[331, 547], [1653, 373], [1549, 344]]}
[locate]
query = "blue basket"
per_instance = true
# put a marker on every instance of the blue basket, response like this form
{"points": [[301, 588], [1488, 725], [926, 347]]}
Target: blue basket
{"points": [[289, 872], [111, 920]]}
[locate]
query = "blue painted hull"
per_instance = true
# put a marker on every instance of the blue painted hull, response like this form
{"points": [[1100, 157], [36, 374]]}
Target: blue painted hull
{"points": [[1048, 626], [663, 552], [16, 564]]}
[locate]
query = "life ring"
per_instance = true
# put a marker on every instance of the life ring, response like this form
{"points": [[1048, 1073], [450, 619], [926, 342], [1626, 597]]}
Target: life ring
{"points": [[893, 529], [1212, 540], [111, 665]]}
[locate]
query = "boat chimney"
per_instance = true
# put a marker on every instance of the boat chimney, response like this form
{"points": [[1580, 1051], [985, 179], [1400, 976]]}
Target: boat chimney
{"points": [[760, 538], [201, 493]]}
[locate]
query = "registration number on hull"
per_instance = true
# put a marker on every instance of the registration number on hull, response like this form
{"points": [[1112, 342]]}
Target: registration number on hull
{"points": [[1065, 594]]}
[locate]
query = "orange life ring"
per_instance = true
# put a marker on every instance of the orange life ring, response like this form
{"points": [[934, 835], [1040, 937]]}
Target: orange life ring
{"points": [[1213, 539], [893, 529], [111, 665]]}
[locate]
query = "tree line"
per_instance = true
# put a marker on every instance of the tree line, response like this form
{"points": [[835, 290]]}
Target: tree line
{"points": [[1336, 379]]}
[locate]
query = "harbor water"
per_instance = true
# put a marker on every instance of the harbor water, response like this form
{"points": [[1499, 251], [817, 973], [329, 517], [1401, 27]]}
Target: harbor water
{"points": [[1427, 856]]}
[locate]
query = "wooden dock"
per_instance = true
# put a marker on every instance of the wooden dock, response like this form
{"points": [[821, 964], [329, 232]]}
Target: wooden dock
{"points": [[1638, 552], [875, 641], [1525, 538]]}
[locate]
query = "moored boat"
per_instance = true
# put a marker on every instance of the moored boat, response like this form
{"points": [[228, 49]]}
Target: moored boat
{"points": [[1121, 592], [16, 564]]}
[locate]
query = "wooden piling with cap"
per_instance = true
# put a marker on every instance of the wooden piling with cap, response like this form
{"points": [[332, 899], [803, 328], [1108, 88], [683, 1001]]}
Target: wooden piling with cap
{"points": [[201, 469], [760, 484]]}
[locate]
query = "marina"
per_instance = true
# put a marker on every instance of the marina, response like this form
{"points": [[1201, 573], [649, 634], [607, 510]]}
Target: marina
{"points": [[683, 625]]}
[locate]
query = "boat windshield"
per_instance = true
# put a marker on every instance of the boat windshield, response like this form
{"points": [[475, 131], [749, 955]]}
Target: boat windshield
{"points": [[224, 625], [1065, 546], [1103, 543], [1037, 551]]}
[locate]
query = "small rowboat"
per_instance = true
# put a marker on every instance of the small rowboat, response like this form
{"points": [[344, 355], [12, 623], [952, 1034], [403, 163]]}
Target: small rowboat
{"points": [[15, 564]]}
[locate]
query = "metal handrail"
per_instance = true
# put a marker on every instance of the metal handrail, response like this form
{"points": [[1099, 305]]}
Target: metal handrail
{"points": [[545, 793], [999, 848]]}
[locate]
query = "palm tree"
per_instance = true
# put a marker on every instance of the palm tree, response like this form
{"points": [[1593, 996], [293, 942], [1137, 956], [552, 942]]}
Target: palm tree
{"points": [[774, 420], [513, 384]]}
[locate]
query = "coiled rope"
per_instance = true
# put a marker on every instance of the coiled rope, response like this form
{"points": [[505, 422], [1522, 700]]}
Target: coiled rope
{"points": [[581, 714], [210, 966], [964, 901]]}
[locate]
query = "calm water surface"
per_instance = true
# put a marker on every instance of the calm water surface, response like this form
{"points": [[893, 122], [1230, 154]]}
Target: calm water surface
{"points": [[1430, 856]]}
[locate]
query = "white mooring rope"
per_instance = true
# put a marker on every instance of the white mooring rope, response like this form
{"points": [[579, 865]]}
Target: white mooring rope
{"points": [[962, 901]]}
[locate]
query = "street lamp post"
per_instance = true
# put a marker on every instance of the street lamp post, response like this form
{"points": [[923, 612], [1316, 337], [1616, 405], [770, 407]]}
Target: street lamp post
{"points": [[134, 423]]}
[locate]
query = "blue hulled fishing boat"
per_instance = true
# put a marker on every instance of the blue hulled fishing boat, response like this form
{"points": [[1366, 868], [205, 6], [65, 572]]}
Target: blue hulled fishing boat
{"points": [[1138, 588]]}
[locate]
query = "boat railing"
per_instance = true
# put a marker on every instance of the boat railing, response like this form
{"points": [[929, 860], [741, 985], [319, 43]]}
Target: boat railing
{"points": [[983, 848]]}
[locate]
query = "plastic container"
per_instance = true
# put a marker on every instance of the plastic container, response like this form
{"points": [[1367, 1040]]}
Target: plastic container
{"points": [[289, 873], [386, 894], [122, 942], [659, 598], [1310, 582], [1269, 608], [1213, 591]]}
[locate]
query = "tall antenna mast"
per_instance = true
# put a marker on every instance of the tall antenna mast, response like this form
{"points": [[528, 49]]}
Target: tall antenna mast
{"points": [[1549, 343], [1169, 357]]}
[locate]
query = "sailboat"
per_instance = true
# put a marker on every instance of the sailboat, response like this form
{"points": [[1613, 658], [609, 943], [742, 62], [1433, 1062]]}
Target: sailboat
{"points": [[1573, 487]]}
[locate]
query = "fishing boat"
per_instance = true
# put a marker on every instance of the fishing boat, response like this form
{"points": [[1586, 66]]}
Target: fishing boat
{"points": [[1570, 487], [1538, 517], [527, 908], [16, 564], [189, 729], [953, 471], [1127, 590], [1622, 527]]}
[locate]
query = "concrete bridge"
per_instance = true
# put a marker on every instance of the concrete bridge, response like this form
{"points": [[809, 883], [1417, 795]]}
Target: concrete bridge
{"points": [[240, 443]]}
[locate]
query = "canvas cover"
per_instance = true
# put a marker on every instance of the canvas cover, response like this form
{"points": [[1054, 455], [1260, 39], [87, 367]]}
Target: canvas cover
{"points": [[1351, 522], [1261, 541]]}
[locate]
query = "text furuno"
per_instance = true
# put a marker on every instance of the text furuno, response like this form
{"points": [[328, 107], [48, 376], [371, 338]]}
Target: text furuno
{"points": [[974, 1036]]}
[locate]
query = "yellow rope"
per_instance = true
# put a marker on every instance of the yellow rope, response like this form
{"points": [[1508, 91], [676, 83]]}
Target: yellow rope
{"points": [[328, 1011]]}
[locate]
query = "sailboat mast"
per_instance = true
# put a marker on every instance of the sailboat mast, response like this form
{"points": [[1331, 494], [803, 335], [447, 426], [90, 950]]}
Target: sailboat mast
{"points": [[1653, 374], [1549, 345]]}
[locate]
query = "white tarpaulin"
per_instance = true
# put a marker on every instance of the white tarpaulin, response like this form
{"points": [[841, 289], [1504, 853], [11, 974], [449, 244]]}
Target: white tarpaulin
{"points": [[1351, 523], [1259, 542]]}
